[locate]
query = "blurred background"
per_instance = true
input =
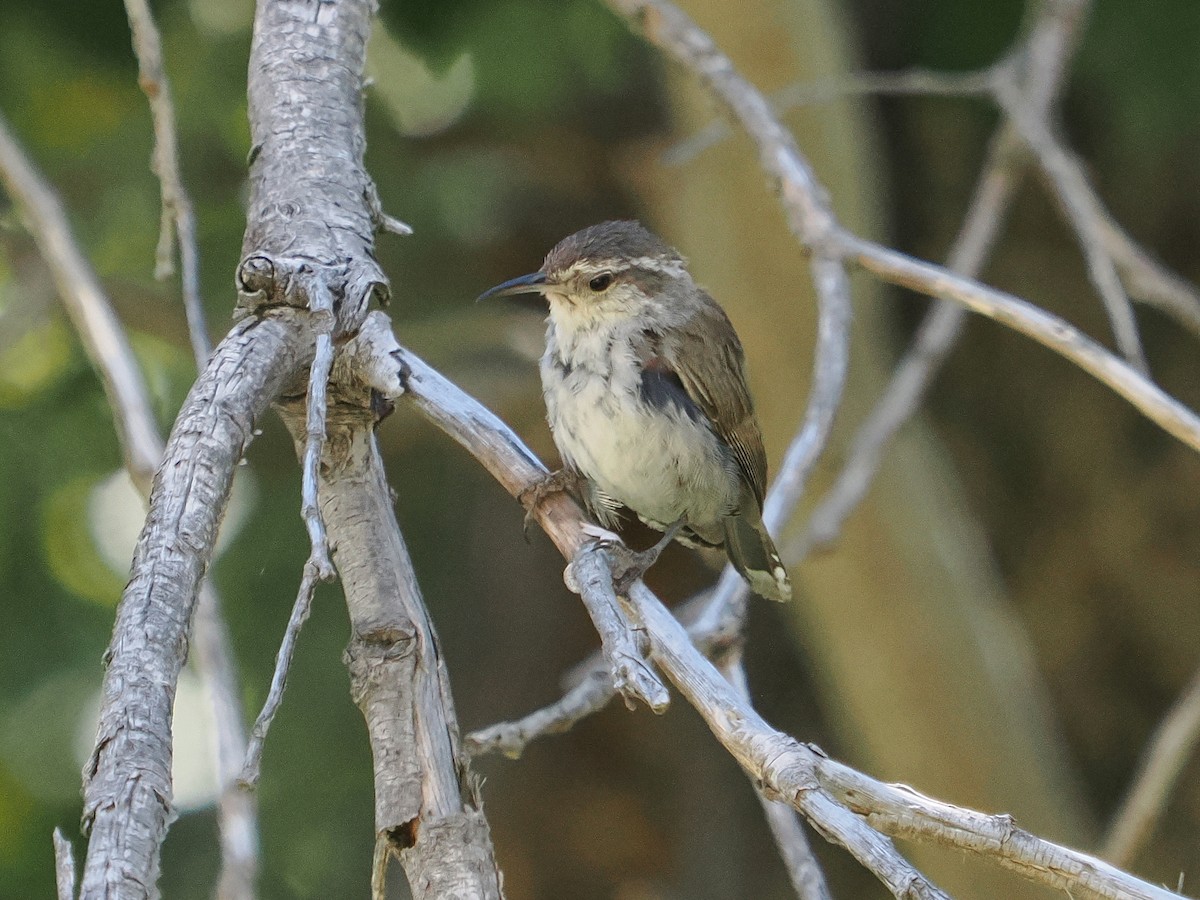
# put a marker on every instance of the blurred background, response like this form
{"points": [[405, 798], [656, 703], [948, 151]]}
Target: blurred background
{"points": [[1001, 625]]}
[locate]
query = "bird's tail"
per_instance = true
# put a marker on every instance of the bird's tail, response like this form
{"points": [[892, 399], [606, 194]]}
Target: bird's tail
{"points": [[753, 554]]}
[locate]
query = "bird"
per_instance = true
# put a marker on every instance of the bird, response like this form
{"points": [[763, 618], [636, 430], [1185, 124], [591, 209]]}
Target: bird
{"points": [[644, 381]]}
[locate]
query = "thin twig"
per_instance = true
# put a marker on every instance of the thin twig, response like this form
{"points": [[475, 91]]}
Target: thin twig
{"points": [[1044, 50], [252, 767], [321, 306], [587, 697], [1168, 750], [64, 867], [1148, 280], [237, 818], [1065, 176], [1046, 328], [88, 306], [177, 214]]}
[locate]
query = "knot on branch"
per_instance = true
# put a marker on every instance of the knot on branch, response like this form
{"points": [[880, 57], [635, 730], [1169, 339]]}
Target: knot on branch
{"points": [[335, 293], [373, 651]]}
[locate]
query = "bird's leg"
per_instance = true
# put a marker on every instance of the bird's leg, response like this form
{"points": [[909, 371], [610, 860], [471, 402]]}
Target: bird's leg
{"points": [[564, 480], [630, 565]]}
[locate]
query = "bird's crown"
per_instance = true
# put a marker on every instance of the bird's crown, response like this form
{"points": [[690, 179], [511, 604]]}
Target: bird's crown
{"points": [[613, 247]]}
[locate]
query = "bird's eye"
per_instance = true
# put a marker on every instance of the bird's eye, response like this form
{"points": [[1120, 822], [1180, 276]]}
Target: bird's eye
{"points": [[601, 282]]}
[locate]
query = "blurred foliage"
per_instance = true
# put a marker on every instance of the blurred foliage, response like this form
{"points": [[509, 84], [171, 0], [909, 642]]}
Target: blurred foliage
{"points": [[495, 129]]}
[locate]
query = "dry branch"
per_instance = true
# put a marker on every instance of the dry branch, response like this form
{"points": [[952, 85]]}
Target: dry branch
{"points": [[834, 798]]}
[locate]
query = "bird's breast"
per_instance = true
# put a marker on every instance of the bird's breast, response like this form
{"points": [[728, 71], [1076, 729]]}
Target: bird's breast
{"points": [[662, 461]]}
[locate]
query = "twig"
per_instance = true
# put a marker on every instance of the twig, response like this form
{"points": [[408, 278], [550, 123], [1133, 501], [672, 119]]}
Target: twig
{"points": [[587, 697], [1047, 45], [1148, 280], [321, 307], [1070, 186], [64, 867], [802, 867], [251, 768], [93, 316], [1166, 753], [177, 214], [632, 675], [1047, 329]]}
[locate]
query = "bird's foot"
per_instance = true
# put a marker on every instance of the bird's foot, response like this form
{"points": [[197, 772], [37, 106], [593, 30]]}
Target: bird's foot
{"points": [[628, 565], [563, 480]]}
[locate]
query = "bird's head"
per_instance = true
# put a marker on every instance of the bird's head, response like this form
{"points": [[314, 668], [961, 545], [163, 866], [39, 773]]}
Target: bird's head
{"points": [[606, 271]]}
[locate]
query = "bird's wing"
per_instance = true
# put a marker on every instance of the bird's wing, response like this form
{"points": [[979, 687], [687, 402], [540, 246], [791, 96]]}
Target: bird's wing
{"points": [[701, 364]]}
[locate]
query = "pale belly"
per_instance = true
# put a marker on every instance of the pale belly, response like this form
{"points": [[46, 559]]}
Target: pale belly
{"points": [[661, 464]]}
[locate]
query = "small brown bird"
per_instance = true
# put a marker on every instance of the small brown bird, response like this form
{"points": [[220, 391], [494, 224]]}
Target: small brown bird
{"points": [[645, 387]]}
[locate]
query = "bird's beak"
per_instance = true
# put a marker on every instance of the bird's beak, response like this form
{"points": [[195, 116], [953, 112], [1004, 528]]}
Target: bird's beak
{"points": [[526, 284]]}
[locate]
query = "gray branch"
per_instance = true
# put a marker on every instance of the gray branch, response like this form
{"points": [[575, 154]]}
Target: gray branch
{"points": [[303, 231], [843, 805]]}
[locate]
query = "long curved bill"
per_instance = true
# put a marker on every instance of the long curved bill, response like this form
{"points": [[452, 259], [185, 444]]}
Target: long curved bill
{"points": [[526, 284]]}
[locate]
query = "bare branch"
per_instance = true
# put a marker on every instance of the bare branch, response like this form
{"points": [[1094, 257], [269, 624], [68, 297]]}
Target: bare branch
{"points": [[900, 811], [1148, 280], [252, 766], [921, 82], [1047, 46], [300, 230], [1045, 328], [833, 797], [64, 867], [1168, 750], [427, 808], [177, 214], [1070, 186], [321, 306], [588, 696]]}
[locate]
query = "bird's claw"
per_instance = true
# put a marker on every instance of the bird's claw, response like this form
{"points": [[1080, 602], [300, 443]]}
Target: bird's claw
{"points": [[626, 565], [557, 482]]}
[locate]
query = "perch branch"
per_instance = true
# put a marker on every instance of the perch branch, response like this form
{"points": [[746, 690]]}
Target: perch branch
{"points": [[841, 804], [178, 217]]}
